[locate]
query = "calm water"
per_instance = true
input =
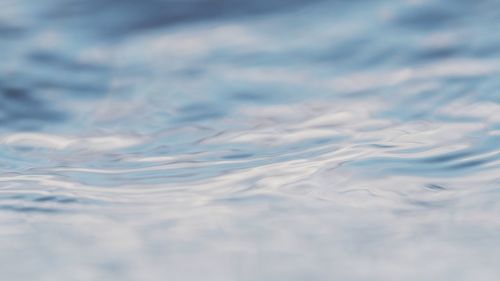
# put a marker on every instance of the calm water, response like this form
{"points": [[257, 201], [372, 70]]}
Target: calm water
{"points": [[249, 140]]}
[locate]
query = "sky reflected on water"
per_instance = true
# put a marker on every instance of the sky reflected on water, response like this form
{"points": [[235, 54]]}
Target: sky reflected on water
{"points": [[261, 140]]}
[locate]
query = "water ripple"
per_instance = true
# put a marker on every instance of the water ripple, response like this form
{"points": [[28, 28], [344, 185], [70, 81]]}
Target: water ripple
{"points": [[249, 140]]}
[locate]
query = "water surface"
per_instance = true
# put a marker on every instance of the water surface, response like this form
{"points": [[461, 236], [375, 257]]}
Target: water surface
{"points": [[249, 140]]}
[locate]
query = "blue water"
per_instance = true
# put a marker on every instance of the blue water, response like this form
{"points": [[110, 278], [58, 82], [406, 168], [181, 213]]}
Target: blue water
{"points": [[249, 140]]}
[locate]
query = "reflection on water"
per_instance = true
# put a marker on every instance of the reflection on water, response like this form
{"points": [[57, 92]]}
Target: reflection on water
{"points": [[249, 140]]}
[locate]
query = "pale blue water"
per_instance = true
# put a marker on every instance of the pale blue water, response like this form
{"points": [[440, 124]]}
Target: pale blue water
{"points": [[249, 140]]}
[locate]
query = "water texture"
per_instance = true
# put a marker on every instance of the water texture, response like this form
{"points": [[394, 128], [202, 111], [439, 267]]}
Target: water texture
{"points": [[249, 140]]}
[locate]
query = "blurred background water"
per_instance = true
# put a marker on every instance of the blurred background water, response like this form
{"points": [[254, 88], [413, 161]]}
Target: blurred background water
{"points": [[249, 140]]}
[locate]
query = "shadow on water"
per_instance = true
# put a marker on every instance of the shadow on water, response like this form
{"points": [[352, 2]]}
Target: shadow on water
{"points": [[118, 17], [10, 31], [81, 79], [51, 59], [21, 109]]}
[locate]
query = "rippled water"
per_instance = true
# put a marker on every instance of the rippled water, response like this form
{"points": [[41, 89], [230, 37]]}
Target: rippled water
{"points": [[249, 140]]}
